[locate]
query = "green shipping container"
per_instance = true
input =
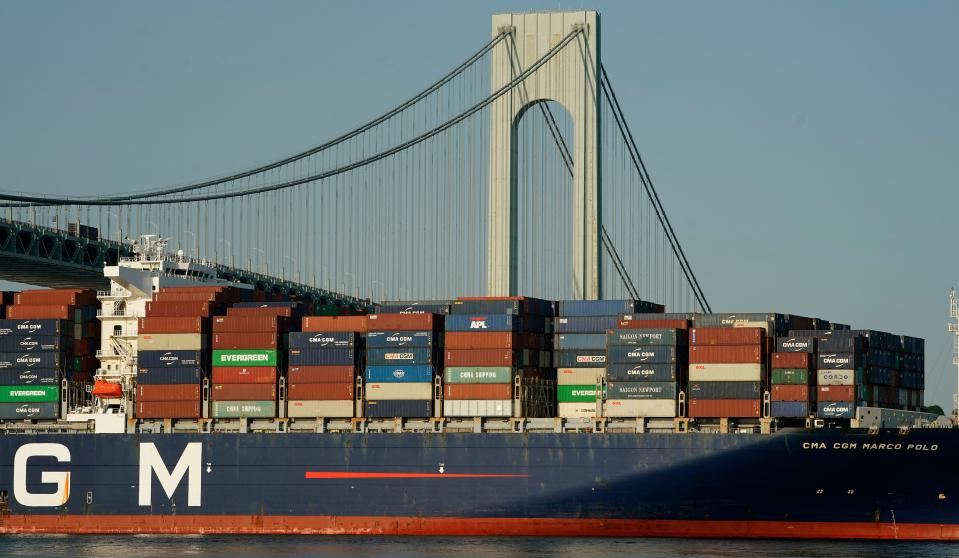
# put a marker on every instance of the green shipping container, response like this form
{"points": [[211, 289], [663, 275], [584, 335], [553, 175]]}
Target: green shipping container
{"points": [[245, 357], [576, 394], [478, 375], [790, 376], [247, 409], [29, 394]]}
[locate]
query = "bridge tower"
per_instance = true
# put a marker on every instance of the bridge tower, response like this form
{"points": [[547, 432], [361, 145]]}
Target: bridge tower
{"points": [[570, 78]]}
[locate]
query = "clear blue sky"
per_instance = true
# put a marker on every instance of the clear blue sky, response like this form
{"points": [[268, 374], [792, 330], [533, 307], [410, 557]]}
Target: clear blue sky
{"points": [[805, 150]]}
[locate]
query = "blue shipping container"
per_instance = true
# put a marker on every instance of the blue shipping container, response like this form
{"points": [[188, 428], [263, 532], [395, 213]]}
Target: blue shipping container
{"points": [[415, 408], [383, 339], [839, 361], [167, 376], [566, 341], [31, 377], [410, 373], [35, 327], [322, 357], [155, 359], [526, 306], [790, 409], [580, 359], [401, 356], [42, 359], [495, 322], [725, 390], [585, 324], [596, 307], [413, 308], [333, 340], [642, 355], [796, 345], [836, 409], [30, 343]]}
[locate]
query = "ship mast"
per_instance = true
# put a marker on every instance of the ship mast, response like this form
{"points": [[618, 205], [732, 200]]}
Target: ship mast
{"points": [[954, 329]]}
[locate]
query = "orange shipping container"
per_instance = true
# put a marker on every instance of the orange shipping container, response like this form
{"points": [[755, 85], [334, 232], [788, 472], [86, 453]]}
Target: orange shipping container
{"points": [[321, 374], [250, 324], [179, 309], [791, 392], [726, 336], [404, 322], [241, 375], [653, 324], [480, 357], [168, 392], [479, 391], [243, 392], [356, 324], [168, 409], [267, 311], [256, 340], [491, 340], [732, 354], [56, 297], [337, 391], [791, 360], [172, 325], [723, 408], [837, 393], [56, 312]]}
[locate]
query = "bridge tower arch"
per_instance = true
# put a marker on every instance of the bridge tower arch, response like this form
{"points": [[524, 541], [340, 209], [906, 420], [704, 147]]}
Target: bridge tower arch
{"points": [[570, 78]]}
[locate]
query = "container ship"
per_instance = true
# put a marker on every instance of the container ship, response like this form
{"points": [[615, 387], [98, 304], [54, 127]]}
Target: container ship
{"points": [[179, 403]]}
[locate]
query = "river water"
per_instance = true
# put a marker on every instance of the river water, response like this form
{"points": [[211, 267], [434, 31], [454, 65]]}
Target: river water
{"points": [[54, 546]]}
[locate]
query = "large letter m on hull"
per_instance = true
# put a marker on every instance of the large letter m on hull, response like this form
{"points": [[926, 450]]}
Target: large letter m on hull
{"points": [[151, 462]]}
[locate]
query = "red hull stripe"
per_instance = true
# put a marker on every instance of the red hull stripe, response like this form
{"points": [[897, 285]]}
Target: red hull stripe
{"points": [[351, 475], [468, 526]]}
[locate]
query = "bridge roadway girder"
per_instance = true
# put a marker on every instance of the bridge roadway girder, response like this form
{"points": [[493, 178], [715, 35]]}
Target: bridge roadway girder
{"points": [[53, 258]]}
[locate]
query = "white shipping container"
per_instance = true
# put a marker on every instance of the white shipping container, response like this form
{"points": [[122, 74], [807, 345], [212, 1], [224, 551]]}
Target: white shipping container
{"points": [[391, 391], [577, 410], [579, 376], [172, 342], [478, 408], [660, 408], [726, 372], [836, 377], [319, 408]]}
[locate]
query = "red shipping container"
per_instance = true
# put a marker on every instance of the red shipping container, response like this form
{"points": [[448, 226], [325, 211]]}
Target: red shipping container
{"points": [[791, 392], [168, 392], [244, 375], [314, 324], [837, 393], [250, 324], [265, 311], [168, 409], [653, 324], [267, 340], [179, 309], [82, 347], [55, 312], [479, 357], [404, 322], [492, 340], [731, 354], [56, 297], [478, 391], [791, 360], [243, 392], [169, 297], [173, 325], [726, 336], [724, 408], [321, 374], [332, 391]]}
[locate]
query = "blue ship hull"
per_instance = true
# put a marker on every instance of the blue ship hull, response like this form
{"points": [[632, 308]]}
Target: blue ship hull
{"points": [[803, 483]]}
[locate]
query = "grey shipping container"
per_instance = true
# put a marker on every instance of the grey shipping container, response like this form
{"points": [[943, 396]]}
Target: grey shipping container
{"points": [[322, 357], [796, 344], [836, 409], [172, 359], [790, 409], [383, 339], [170, 375], [35, 411], [641, 355], [647, 337], [331, 340], [35, 327], [839, 361], [428, 307], [725, 390], [401, 355], [640, 390], [778, 322], [603, 307], [581, 359], [566, 341], [585, 324], [413, 408]]}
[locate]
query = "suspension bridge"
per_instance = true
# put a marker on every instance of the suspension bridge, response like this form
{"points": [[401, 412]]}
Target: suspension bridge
{"points": [[514, 173]]}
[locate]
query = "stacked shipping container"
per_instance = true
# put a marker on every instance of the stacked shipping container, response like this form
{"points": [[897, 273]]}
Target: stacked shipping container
{"points": [[50, 336], [497, 358], [726, 371], [173, 356], [793, 377], [324, 362], [647, 366], [402, 357]]}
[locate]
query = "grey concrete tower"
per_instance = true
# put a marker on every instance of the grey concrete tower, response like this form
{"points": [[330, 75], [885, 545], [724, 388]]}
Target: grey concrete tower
{"points": [[570, 78]]}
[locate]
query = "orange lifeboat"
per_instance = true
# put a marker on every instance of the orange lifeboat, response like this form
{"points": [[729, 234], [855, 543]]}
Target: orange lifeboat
{"points": [[107, 389]]}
